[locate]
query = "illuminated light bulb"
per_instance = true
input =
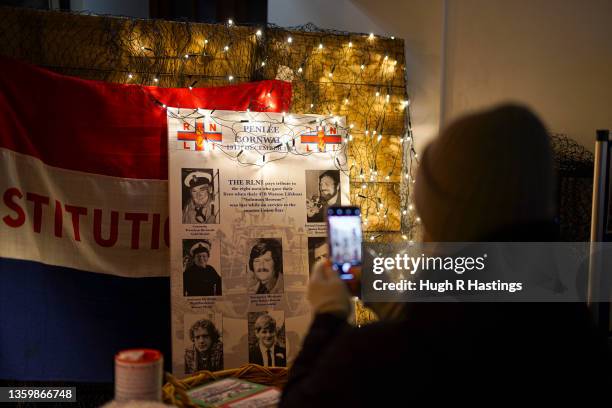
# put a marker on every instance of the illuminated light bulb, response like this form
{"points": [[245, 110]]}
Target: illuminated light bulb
{"points": [[164, 105], [130, 76], [394, 62], [330, 75], [258, 33], [156, 79], [410, 207], [191, 88], [367, 132], [230, 22], [374, 133], [300, 69], [416, 155], [418, 219], [388, 96], [404, 212], [350, 44], [263, 63], [404, 237], [371, 36], [269, 94], [186, 56], [205, 41], [312, 105], [289, 40], [386, 57], [372, 238], [346, 101], [363, 186], [142, 47], [352, 125], [392, 37], [231, 77], [320, 46], [377, 93], [380, 205], [362, 67], [226, 48]]}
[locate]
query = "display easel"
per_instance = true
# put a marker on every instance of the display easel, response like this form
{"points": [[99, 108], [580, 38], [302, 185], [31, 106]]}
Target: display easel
{"points": [[601, 231]]}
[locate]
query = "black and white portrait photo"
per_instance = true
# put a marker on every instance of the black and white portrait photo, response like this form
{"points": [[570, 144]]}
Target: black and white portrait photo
{"points": [[267, 339], [200, 196], [265, 267], [317, 250], [322, 191], [200, 278], [203, 342]]}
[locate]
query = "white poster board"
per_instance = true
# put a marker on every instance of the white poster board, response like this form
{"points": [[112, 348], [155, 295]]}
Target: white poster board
{"points": [[248, 192]]}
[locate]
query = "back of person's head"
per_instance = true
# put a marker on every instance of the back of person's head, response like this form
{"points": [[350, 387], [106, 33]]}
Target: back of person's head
{"points": [[486, 172]]}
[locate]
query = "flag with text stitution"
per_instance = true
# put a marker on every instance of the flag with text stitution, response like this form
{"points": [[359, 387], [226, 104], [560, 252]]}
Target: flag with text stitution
{"points": [[84, 215]]}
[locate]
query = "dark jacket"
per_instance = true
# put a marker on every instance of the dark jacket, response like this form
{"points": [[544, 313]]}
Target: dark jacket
{"points": [[453, 352], [198, 281], [280, 356]]}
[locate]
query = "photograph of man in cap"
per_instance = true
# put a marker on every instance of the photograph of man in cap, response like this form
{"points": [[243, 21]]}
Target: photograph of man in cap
{"points": [[200, 202], [199, 278], [266, 267], [323, 188]]}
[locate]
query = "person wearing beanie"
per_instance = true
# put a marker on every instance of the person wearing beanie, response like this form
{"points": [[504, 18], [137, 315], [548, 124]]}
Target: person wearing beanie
{"points": [[488, 177], [487, 172]]}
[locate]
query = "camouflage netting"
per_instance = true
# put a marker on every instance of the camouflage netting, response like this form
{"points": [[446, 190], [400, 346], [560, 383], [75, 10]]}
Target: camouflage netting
{"points": [[575, 188], [333, 73]]}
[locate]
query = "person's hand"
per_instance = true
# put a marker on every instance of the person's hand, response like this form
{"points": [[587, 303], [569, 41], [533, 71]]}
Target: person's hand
{"points": [[311, 208], [326, 291]]}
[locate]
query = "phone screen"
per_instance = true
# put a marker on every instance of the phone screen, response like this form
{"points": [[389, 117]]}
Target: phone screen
{"points": [[344, 238]]}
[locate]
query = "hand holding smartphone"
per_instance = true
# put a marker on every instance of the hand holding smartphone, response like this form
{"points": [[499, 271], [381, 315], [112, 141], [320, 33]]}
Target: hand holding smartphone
{"points": [[344, 237]]}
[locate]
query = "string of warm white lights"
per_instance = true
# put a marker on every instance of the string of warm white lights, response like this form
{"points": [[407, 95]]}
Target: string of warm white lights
{"points": [[371, 136], [360, 77]]}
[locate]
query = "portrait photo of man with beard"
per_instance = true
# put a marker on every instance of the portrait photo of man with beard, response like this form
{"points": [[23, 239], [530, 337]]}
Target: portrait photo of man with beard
{"points": [[322, 192], [265, 267]]}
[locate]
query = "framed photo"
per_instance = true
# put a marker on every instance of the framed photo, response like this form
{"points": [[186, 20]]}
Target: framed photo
{"points": [[200, 196], [267, 338]]}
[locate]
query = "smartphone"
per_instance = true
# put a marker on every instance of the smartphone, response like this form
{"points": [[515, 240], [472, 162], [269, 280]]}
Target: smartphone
{"points": [[344, 238]]}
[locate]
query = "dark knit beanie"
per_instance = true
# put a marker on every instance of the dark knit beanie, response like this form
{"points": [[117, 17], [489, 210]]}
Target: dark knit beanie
{"points": [[486, 172]]}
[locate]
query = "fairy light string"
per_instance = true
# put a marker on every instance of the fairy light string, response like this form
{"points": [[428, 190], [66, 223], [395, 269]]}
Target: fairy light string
{"points": [[359, 76]]}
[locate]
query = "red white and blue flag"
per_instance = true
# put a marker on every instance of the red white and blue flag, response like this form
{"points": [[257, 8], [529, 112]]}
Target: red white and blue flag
{"points": [[84, 254]]}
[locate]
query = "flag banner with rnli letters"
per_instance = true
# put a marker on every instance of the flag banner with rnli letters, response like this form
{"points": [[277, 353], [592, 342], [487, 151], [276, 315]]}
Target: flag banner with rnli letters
{"points": [[249, 192], [84, 230]]}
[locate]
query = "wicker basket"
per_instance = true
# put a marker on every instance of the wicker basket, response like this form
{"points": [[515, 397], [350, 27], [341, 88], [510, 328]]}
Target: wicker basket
{"points": [[174, 391]]}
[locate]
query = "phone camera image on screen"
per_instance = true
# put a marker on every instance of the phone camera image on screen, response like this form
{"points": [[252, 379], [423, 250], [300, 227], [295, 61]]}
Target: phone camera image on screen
{"points": [[344, 237]]}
